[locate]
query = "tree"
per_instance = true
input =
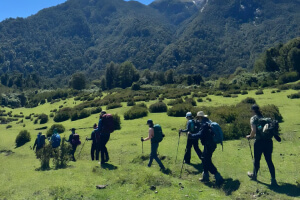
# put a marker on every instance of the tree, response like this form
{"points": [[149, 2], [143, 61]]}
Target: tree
{"points": [[169, 76], [103, 83], [127, 74], [78, 81], [111, 74]]}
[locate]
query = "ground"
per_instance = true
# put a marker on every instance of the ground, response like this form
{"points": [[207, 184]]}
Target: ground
{"points": [[127, 174]]}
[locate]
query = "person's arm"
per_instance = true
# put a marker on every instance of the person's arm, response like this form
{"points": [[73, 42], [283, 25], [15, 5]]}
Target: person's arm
{"points": [[187, 127], [151, 134], [253, 128], [99, 125], [92, 136]]}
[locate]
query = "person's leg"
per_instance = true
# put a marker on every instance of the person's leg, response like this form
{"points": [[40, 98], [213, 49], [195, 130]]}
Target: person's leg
{"points": [[187, 156], [258, 149], [211, 167], [154, 155], [205, 174], [197, 149], [93, 151], [151, 155], [268, 157], [105, 148]]}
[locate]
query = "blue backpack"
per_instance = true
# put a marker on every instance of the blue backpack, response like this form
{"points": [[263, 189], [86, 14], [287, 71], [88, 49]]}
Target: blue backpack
{"points": [[55, 140], [218, 133]]}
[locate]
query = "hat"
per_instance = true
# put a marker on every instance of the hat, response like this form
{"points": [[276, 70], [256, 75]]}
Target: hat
{"points": [[188, 114], [255, 107], [73, 129], [149, 121], [201, 114], [103, 112]]}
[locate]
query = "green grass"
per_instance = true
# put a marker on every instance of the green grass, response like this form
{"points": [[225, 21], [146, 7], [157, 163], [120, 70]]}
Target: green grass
{"points": [[127, 174]]}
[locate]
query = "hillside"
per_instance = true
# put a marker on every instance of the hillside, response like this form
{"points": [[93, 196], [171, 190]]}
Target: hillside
{"points": [[209, 37]]}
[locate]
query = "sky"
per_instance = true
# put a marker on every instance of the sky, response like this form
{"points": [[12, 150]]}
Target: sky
{"points": [[25, 8]]}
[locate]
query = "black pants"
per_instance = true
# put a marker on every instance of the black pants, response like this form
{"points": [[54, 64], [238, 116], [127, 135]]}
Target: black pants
{"points": [[74, 147], [104, 153], [153, 155], [189, 144], [95, 148], [263, 147], [208, 166]]}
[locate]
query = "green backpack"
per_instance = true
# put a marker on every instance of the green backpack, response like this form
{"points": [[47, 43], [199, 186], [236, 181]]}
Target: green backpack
{"points": [[158, 134]]}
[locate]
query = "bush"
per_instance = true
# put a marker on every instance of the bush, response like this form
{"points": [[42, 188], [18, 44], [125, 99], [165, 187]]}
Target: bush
{"points": [[135, 86], [208, 99], [36, 121], [8, 126], [113, 105], [74, 116], [288, 77], [200, 100], [226, 94], [218, 93], [191, 101], [249, 100], [117, 122], [22, 138], [44, 155], [61, 116], [44, 118], [272, 111], [62, 156], [60, 129], [96, 110], [137, 111], [130, 103], [158, 107], [284, 87], [51, 115], [176, 101], [84, 114], [259, 92], [294, 96], [244, 92], [296, 86], [179, 110]]}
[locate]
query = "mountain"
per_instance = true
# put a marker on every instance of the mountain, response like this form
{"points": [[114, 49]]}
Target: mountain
{"points": [[200, 36]]}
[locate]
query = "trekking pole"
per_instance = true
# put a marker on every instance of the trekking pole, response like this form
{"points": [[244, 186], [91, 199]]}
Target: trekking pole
{"points": [[182, 163], [142, 145], [177, 146], [81, 149], [250, 149]]}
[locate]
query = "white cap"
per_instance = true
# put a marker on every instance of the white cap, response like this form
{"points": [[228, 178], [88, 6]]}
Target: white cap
{"points": [[201, 114]]}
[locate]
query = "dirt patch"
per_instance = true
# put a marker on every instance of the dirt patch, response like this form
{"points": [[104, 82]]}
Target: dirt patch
{"points": [[6, 152]]}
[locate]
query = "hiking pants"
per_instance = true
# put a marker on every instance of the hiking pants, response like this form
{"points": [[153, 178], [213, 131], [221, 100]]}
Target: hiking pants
{"points": [[153, 155], [94, 149], [189, 144], [74, 147], [263, 147], [104, 153], [208, 166]]}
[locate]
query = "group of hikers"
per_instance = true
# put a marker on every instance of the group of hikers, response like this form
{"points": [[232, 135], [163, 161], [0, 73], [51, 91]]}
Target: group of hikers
{"points": [[200, 127]]}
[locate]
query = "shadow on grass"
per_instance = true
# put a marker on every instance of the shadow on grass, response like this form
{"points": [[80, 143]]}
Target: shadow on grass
{"points": [[109, 166], [285, 188], [228, 186]]}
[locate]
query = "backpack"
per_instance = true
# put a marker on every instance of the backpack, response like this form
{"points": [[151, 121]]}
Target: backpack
{"points": [[267, 128], [41, 141], [158, 134], [75, 140], [217, 132], [55, 140], [108, 123], [194, 126], [97, 136]]}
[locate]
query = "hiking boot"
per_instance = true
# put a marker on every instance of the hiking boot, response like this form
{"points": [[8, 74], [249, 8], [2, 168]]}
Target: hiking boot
{"points": [[274, 182], [252, 176], [187, 162], [219, 178], [205, 177]]}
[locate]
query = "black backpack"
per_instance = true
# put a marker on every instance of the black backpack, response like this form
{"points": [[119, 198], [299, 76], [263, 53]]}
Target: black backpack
{"points": [[267, 128]]}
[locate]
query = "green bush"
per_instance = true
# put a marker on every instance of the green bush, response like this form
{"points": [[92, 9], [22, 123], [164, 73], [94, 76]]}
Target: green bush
{"points": [[208, 99], [8, 126], [117, 122], [272, 111], [288, 77], [44, 118], [96, 110], [62, 115], [44, 155], [74, 116], [51, 115], [296, 86], [60, 129], [191, 101], [200, 100], [158, 107], [137, 111], [294, 96], [176, 101], [259, 92], [179, 110], [113, 105], [226, 94], [135, 86], [84, 114], [62, 155], [22, 138], [130, 103], [249, 100], [244, 92]]}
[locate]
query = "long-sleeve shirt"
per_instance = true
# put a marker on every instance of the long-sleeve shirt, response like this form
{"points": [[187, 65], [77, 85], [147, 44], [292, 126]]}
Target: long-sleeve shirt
{"points": [[189, 127], [93, 136], [204, 133]]}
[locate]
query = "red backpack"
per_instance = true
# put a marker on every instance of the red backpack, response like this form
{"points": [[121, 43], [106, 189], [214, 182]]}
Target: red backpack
{"points": [[107, 123], [75, 140]]}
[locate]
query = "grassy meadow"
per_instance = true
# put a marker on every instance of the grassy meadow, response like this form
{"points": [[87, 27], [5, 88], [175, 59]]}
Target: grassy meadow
{"points": [[127, 174]]}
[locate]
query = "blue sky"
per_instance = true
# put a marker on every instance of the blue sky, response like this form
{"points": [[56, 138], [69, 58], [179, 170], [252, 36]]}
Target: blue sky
{"points": [[25, 8]]}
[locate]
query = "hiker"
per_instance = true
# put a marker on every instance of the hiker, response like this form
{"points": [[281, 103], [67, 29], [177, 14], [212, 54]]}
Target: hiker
{"points": [[261, 146], [55, 139], [207, 140], [105, 127], [156, 136], [74, 141], [94, 146], [191, 127], [39, 141]]}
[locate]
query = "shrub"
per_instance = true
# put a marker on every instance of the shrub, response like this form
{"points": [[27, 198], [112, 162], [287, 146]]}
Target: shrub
{"points": [[61, 116], [259, 92], [179, 110], [36, 121], [44, 155], [137, 111], [51, 115], [244, 92], [84, 114], [176, 101], [96, 110], [117, 121], [208, 99], [200, 100], [191, 101], [27, 117], [8, 126], [62, 156], [22, 138], [296, 86], [158, 107], [249, 100], [43, 101], [74, 116], [44, 118], [135, 86], [294, 96], [113, 105], [130, 103], [60, 129], [218, 93], [288, 77], [284, 87], [272, 111], [226, 94]]}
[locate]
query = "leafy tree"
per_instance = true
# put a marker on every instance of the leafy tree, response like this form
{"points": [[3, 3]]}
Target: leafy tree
{"points": [[111, 75], [127, 74], [78, 81], [169, 76]]}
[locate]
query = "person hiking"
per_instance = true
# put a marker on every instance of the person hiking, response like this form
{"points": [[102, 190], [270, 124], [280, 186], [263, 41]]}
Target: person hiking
{"points": [[190, 127], [261, 146], [74, 141], [207, 140], [55, 139], [39, 141], [154, 144], [94, 147], [104, 132]]}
